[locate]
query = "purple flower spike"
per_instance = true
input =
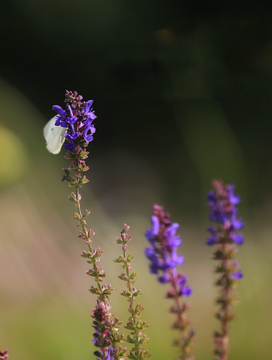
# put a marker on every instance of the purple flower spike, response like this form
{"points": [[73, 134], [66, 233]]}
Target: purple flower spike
{"points": [[164, 260], [222, 203], [163, 254], [225, 236], [77, 119]]}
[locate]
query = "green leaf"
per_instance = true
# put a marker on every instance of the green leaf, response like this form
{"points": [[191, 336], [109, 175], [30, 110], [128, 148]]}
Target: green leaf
{"points": [[129, 257], [83, 154], [123, 277], [133, 276], [84, 180], [94, 290]]}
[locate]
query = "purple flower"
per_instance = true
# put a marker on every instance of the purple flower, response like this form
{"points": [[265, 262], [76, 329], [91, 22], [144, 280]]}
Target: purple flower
{"points": [[222, 202], [237, 238], [163, 253], [77, 119], [110, 354], [101, 324], [238, 274], [164, 261], [184, 289], [154, 231], [225, 236], [213, 239]]}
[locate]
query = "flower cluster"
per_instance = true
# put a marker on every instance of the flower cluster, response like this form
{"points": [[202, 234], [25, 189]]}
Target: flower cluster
{"points": [[163, 254], [222, 202], [103, 325], [164, 261], [77, 119], [4, 354]]}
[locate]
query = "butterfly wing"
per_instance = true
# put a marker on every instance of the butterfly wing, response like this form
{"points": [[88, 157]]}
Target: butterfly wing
{"points": [[54, 136]]}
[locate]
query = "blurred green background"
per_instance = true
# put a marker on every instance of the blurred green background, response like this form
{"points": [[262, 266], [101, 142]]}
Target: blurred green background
{"points": [[182, 91]]}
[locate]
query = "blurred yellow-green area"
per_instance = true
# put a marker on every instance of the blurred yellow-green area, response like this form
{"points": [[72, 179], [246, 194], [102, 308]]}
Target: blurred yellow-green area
{"points": [[182, 91]]}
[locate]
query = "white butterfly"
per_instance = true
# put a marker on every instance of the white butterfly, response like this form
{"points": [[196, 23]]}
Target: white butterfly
{"points": [[54, 136]]}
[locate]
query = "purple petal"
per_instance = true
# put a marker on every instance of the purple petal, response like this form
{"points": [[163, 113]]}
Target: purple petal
{"points": [[234, 199], [59, 110], [164, 279], [171, 231], [186, 291], [238, 239], [238, 275]]}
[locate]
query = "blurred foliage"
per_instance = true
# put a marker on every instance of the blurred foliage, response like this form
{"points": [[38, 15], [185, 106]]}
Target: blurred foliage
{"points": [[13, 157], [182, 91]]}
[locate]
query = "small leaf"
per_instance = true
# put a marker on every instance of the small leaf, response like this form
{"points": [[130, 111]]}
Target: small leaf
{"points": [[91, 233], [84, 180], [123, 277], [83, 154], [133, 276], [87, 213], [130, 257], [94, 290]]}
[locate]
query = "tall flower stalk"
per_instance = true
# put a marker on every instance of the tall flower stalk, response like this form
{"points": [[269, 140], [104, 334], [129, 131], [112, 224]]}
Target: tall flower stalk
{"points": [[77, 129], [225, 236], [137, 337], [163, 262]]}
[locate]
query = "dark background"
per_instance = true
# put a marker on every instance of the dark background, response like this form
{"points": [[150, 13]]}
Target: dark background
{"points": [[182, 91], [141, 60]]}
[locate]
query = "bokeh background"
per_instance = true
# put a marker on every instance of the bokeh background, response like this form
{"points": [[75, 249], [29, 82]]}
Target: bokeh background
{"points": [[183, 94]]}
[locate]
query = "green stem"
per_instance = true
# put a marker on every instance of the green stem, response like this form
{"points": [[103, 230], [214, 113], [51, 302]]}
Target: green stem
{"points": [[88, 237], [131, 301]]}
